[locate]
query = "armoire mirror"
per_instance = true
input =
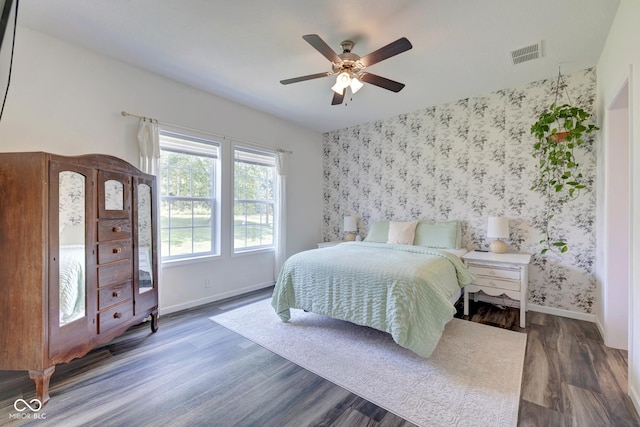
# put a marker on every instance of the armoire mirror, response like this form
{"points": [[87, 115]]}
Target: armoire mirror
{"points": [[72, 226], [145, 236], [114, 195]]}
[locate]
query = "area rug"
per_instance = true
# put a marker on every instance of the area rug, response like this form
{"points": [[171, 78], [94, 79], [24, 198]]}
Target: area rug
{"points": [[472, 379]]}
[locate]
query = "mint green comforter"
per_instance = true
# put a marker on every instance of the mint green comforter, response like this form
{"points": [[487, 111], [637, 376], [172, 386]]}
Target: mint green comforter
{"points": [[403, 290]]}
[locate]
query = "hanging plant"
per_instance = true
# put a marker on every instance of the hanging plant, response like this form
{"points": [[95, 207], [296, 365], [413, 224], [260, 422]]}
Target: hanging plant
{"points": [[559, 131]]}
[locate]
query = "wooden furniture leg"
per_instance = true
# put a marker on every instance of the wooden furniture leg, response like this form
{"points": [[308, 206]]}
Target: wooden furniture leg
{"points": [[41, 378], [154, 321]]}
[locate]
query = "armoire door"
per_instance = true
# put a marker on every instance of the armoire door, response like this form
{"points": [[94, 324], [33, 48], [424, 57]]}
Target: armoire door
{"points": [[71, 259], [144, 237]]}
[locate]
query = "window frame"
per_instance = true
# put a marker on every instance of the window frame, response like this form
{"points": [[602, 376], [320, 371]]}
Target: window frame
{"points": [[192, 143], [260, 151]]}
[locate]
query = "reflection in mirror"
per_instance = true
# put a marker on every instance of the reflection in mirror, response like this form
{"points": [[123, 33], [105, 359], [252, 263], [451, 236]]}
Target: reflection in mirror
{"points": [[145, 272], [71, 210], [113, 195]]}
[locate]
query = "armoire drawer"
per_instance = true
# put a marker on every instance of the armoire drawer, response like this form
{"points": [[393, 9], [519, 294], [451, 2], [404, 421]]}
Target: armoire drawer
{"points": [[110, 252], [113, 295], [114, 273], [114, 229], [115, 316]]}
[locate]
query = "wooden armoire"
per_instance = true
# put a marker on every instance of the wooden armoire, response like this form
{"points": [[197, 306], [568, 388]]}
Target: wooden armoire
{"points": [[78, 263]]}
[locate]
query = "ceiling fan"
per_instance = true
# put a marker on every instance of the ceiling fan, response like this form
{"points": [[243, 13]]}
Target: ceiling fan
{"points": [[350, 67]]}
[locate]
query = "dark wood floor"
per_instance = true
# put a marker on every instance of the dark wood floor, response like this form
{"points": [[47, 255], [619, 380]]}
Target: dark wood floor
{"points": [[195, 372], [570, 377]]}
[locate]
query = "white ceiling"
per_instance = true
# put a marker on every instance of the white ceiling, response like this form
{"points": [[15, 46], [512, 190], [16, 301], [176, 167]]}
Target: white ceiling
{"points": [[241, 49]]}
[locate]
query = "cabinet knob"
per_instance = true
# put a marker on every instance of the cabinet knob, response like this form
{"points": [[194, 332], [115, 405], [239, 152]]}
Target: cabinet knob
{"points": [[117, 229], [117, 315], [116, 294], [117, 250]]}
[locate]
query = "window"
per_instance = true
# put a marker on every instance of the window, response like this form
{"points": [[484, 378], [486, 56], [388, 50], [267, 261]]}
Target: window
{"points": [[254, 181], [189, 170]]}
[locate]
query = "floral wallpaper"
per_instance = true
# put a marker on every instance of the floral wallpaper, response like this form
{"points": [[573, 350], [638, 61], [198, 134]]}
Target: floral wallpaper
{"points": [[468, 160]]}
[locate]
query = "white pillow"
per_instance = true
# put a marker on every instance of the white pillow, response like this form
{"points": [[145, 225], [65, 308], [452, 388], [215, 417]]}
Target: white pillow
{"points": [[401, 233]]}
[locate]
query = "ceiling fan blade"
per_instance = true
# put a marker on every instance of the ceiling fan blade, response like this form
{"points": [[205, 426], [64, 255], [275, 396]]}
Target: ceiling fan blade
{"points": [[337, 98], [392, 49], [319, 44], [303, 78], [381, 82]]}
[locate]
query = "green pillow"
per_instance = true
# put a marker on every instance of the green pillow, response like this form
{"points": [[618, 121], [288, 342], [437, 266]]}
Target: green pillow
{"points": [[378, 232], [438, 234]]}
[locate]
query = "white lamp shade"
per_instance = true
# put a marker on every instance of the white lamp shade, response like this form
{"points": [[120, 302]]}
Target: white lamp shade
{"points": [[337, 88], [350, 223], [356, 85], [342, 82], [498, 227]]}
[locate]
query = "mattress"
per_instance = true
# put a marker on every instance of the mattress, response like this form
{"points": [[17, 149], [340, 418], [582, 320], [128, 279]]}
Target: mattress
{"points": [[404, 290]]}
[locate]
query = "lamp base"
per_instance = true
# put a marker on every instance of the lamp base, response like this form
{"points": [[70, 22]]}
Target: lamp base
{"points": [[349, 237], [498, 247]]}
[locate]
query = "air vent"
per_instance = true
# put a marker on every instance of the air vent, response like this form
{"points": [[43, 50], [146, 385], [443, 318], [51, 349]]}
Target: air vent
{"points": [[526, 53]]}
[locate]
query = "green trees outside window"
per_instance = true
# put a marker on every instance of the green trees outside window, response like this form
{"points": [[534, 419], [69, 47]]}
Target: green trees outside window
{"points": [[190, 182], [254, 199], [188, 173]]}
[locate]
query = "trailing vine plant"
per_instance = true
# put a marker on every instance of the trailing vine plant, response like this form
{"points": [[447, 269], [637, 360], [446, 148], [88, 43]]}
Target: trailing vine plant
{"points": [[559, 131]]}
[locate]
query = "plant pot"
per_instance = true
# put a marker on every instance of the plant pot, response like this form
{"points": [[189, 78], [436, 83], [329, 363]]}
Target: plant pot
{"points": [[560, 136]]}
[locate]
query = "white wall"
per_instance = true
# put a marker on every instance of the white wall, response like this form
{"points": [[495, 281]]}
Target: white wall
{"points": [[67, 100], [620, 63]]}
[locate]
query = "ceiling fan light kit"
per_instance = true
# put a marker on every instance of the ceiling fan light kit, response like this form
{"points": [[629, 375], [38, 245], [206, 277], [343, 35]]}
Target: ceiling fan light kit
{"points": [[355, 84], [346, 80], [349, 67]]}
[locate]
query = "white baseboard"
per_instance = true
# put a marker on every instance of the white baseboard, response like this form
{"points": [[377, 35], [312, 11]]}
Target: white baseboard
{"points": [[562, 313], [600, 327], [635, 397], [213, 298]]}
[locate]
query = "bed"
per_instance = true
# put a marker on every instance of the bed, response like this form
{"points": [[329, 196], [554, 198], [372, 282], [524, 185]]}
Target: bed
{"points": [[400, 288]]}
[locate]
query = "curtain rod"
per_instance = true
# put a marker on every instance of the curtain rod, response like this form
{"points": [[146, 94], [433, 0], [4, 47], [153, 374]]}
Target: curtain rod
{"points": [[279, 150]]}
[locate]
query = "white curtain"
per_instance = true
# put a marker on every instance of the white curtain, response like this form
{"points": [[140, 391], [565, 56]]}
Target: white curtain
{"points": [[281, 226], [149, 144]]}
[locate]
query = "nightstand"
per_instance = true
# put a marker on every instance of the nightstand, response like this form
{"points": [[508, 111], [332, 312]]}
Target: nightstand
{"points": [[499, 274], [329, 244]]}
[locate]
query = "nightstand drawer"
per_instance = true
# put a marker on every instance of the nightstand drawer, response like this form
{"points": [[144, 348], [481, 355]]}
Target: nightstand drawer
{"points": [[495, 272], [497, 283]]}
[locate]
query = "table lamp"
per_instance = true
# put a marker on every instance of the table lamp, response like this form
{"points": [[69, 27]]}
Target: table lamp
{"points": [[350, 228], [498, 228]]}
